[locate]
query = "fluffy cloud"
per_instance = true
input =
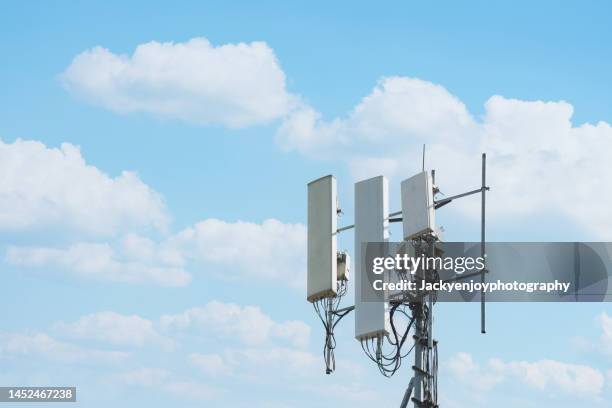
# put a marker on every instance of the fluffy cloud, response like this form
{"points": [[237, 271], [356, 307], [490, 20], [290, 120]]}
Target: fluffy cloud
{"points": [[550, 374], [245, 250], [463, 366], [268, 366], [399, 110], [232, 84], [211, 364], [247, 324], [147, 377], [606, 337], [537, 159], [290, 360], [542, 374], [99, 262], [163, 380], [251, 361], [116, 329], [45, 187], [241, 250], [53, 190], [43, 345]]}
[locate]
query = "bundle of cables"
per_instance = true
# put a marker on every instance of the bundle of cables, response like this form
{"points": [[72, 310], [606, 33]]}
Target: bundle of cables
{"points": [[389, 362], [327, 310]]}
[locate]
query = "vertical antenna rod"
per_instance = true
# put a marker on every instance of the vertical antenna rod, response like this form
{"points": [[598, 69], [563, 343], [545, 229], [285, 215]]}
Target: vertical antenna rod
{"points": [[423, 167], [482, 243]]}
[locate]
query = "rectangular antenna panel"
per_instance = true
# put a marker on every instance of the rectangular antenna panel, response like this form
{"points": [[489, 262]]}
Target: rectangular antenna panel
{"points": [[371, 225], [418, 212], [322, 267]]}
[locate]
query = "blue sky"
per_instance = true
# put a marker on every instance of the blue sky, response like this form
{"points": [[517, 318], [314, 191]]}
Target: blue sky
{"points": [[347, 88]]}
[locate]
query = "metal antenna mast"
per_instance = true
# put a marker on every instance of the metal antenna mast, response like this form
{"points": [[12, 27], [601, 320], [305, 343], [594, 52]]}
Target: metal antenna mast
{"points": [[424, 380]]}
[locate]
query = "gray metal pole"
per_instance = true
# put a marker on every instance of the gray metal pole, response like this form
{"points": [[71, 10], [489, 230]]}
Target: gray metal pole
{"points": [[430, 339], [407, 394], [432, 251], [482, 243], [418, 362], [418, 348]]}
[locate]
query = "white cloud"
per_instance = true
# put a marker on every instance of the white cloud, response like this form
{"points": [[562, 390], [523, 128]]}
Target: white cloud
{"points": [[537, 159], [602, 345], [43, 345], [606, 337], [240, 251], [349, 394], [146, 250], [146, 377], [164, 380], [249, 251], [462, 365], [50, 188], [547, 375], [399, 110], [99, 262], [252, 362], [266, 368], [555, 375], [247, 324], [115, 328], [193, 390], [232, 84], [212, 364], [289, 360]]}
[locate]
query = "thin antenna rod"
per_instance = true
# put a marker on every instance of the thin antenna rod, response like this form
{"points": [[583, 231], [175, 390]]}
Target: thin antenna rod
{"points": [[423, 157], [482, 244]]}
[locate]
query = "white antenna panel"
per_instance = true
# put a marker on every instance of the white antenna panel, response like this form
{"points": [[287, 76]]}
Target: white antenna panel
{"points": [[418, 210], [322, 260], [371, 225]]}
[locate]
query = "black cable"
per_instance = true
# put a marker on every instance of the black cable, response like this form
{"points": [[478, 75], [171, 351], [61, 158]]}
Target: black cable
{"points": [[327, 310], [390, 362]]}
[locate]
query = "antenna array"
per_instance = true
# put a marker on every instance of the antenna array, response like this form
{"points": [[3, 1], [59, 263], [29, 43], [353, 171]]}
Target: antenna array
{"points": [[378, 324]]}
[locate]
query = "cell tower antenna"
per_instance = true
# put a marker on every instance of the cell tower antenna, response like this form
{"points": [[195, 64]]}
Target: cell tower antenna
{"points": [[376, 323]]}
